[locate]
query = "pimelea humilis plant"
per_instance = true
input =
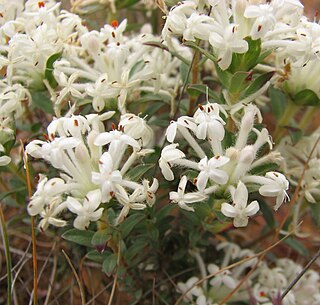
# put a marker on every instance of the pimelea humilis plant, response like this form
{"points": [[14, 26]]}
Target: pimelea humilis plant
{"points": [[163, 150]]}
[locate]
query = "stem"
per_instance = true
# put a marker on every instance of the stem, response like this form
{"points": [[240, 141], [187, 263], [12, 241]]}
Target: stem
{"points": [[83, 300], [33, 235], [7, 253], [195, 74], [14, 170], [289, 113], [307, 118]]}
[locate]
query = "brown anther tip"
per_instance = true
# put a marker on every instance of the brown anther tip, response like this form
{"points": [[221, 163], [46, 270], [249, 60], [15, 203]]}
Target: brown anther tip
{"points": [[113, 126], [76, 123], [40, 4], [217, 157], [200, 107], [259, 27], [113, 34]]}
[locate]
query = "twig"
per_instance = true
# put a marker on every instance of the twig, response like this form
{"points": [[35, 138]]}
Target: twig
{"points": [[7, 254], [53, 274], [83, 301], [33, 234], [300, 275], [115, 277]]}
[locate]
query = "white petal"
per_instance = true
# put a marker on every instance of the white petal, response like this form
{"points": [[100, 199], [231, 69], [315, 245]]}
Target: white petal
{"points": [[103, 138], [4, 160], [240, 196], [74, 205], [202, 181], [166, 170], [171, 132], [228, 210], [270, 190], [219, 176], [81, 222], [252, 208]]}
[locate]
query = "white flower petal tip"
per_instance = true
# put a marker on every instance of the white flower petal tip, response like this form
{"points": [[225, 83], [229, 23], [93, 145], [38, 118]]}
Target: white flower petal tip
{"points": [[239, 210]]}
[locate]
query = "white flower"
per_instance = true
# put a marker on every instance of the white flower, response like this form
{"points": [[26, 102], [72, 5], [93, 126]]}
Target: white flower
{"points": [[136, 127], [276, 186], [47, 191], [87, 211], [50, 213], [108, 178], [195, 291], [183, 199], [128, 202], [209, 170], [169, 154], [240, 211], [227, 43], [117, 140], [198, 26], [223, 278], [150, 191], [209, 123], [265, 19]]}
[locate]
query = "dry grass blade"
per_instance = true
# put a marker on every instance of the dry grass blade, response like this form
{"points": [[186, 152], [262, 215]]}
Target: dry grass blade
{"points": [[83, 300], [232, 266], [115, 278], [300, 275], [33, 234], [7, 254]]}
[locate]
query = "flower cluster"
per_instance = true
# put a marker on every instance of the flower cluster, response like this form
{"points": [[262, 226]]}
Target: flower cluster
{"points": [[222, 169], [90, 175], [264, 287]]}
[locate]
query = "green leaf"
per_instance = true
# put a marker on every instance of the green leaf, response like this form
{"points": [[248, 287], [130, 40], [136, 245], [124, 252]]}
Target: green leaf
{"points": [[96, 256], [153, 233], [48, 73], [247, 61], [196, 89], [136, 249], [258, 83], [127, 226], [224, 76], [138, 66], [263, 169], [315, 213], [109, 264], [100, 238], [306, 97], [239, 82], [164, 212], [207, 54], [184, 73], [297, 246], [3, 195], [162, 46], [125, 3], [41, 100], [278, 101], [137, 172], [267, 213], [295, 134], [79, 237]]}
